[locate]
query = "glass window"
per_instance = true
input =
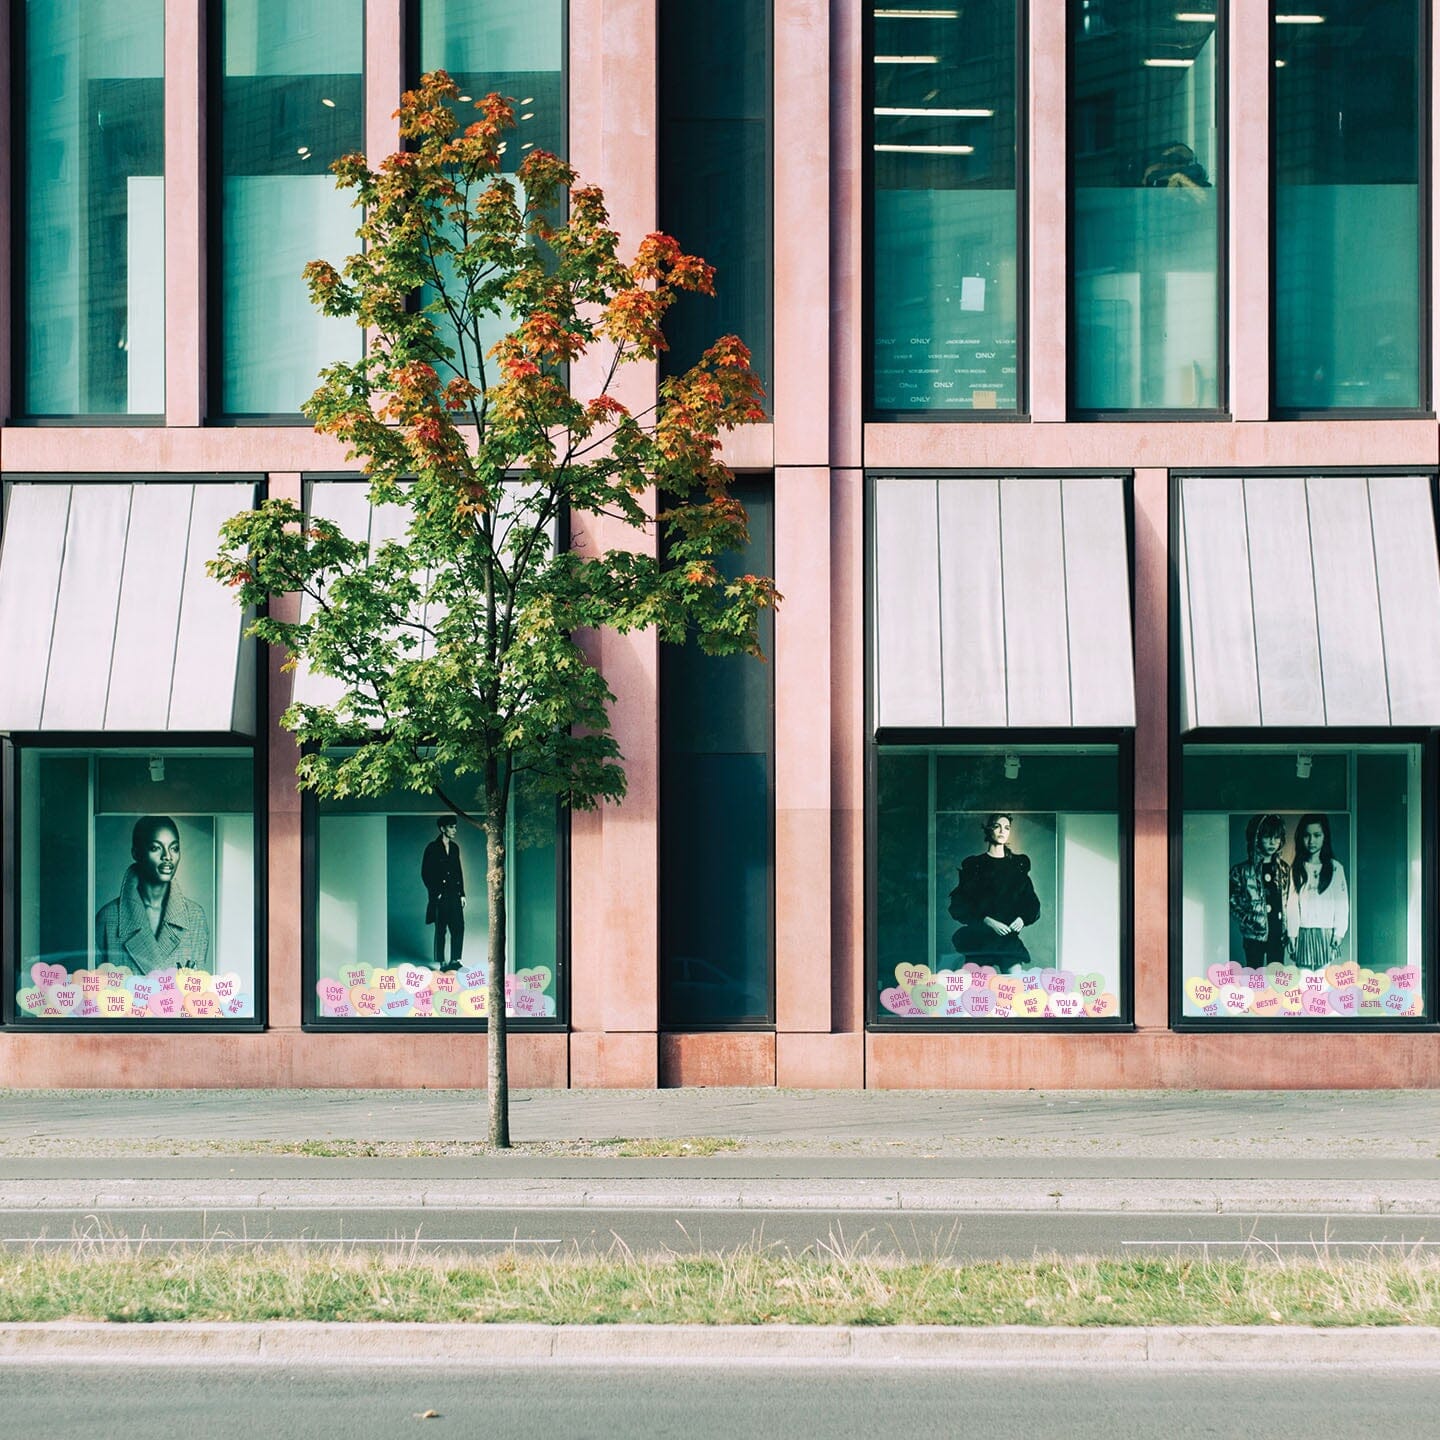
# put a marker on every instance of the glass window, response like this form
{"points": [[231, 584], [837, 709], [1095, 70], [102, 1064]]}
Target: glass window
{"points": [[1302, 883], [1145, 203], [716, 849], [292, 100], [715, 148], [401, 922], [136, 885], [997, 883], [1345, 120], [92, 237], [945, 247], [515, 48]]}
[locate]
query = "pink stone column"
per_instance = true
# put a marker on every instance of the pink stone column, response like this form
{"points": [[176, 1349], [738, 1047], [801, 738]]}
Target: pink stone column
{"points": [[1151, 871], [800, 385], [1047, 151], [613, 852], [384, 76], [185, 213], [283, 849], [802, 750], [8, 177], [1249, 181], [847, 155]]}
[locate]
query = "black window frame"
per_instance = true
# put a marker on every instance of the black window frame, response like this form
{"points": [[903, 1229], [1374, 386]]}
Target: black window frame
{"points": [[871, 412]]}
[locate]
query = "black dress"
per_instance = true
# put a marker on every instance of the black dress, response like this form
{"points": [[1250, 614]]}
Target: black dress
{"points": [[998, 886]]}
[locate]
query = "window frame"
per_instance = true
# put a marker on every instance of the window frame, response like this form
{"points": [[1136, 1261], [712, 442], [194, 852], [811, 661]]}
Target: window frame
{"points": [[1220, 411], [1425, 408], [11, 749], [1301, 738], [870, 411]]}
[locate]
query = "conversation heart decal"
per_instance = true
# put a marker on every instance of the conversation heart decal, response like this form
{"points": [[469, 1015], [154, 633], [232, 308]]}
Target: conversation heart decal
{"points": [[365, 1000], [332, 993], [1338, 977], [1030, 1004], [396, 1004], [1059, 982], [1265, 1003], [447, 1007], [1005, 989], [32, 1001], [1405, 977], [1066, 1007], [1103, 1006], [929, 999], [1201, 992], [909, 976], [415, 977], [1089, 985], [1345, 1000], [47, 977], [1222, 975], [1234, 999], [227, 987], [1314, 1004], [896, 1000], [976, 1001], [166, 1004]]}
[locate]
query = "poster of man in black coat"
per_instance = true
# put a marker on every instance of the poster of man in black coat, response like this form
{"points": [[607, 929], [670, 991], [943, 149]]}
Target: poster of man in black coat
{"points": [[444, 879]]}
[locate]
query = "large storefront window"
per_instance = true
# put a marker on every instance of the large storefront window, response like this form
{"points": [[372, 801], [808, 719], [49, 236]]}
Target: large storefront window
{"points": [[92, 249], [945, 251], [1302, 883], [400, 913], [136, 885], [1145, 205], [1346, 119], [292, 100], [998, 883]]}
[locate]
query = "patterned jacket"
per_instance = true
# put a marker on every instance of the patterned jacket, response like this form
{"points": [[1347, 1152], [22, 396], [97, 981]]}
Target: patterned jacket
{"points": [[1247, 897]]}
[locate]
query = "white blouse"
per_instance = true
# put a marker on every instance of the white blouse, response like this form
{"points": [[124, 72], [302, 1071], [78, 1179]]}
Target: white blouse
{"points": [[1312, 908]]}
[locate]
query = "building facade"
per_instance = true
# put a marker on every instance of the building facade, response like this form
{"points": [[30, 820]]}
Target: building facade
{"points": [[1097, 742]]}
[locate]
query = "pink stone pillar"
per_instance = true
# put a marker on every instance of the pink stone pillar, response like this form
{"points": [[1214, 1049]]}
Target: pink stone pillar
{"points": [[185, 213], [614, 901], [384, 76], [847, 90], [1048, 148], [1249, 181], [800, 387], [1151, 901], [283, 857]]}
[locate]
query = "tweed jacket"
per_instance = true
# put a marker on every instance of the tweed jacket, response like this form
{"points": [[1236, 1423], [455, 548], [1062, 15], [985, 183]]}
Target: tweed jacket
{"points": [[123, 937]]}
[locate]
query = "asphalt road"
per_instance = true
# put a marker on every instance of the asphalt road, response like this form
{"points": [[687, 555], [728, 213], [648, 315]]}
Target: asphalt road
{"points": [[916, 1234], [550, 1402]]}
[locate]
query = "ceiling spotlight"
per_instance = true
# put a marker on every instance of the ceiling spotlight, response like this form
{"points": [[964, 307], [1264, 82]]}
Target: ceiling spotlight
{"points": [[1303, 764], [157, 768], [1012, 766]]}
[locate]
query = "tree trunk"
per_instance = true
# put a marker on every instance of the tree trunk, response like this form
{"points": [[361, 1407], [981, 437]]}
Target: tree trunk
{"points": [[498, 1075]]}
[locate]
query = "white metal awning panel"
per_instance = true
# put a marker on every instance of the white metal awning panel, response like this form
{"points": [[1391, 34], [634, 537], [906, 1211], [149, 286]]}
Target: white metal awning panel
{"points": [[1308, 602], [1001, 603], [108, 621]]}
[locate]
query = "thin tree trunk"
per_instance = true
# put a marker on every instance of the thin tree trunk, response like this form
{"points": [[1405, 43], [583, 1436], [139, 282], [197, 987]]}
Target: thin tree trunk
{"points": [[498, 1075]]}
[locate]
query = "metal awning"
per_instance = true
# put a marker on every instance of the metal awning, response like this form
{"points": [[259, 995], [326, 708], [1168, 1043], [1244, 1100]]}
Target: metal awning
{"points": [[108, 620], [1308, 602], [1001, 603]]}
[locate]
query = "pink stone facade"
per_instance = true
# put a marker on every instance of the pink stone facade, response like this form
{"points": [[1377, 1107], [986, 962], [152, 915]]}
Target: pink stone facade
{"points": [[818, 448]]}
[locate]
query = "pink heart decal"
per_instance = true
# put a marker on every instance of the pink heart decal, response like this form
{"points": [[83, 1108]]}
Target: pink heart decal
{"points": [[1405, 977], [1059, 982], [1222, 975], [894, 999], [1314, 1004], [165, 1004], [47, 977], [1345, 1000], [978, 1002]]}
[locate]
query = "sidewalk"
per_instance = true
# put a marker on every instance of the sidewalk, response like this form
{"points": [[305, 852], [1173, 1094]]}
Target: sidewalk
{"points": [[1317, 1152]]}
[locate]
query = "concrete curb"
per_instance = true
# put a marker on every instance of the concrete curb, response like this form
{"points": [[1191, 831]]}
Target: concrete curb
{"points": [[315, 1344], [1067, 1195]]}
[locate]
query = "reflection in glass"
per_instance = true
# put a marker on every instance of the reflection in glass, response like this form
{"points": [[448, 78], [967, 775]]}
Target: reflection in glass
{"points": [[136, 885], [945, 244], [291, 102], [1145, 203], [401, 930], [1301, 883], [997, 891], [715, 147], [94, 207], [716, 776], [1345, 113], [515, 48]]}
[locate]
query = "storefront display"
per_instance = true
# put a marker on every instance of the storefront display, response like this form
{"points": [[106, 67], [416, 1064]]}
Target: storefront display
{"points": [[1008, 912], [137, 885], [400, 922], [1302, 895]]}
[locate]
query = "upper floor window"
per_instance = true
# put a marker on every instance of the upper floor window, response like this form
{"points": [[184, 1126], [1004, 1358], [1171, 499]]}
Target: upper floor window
{"points": [[1345, 102], [91, 224], [944, 251], [291, 101], [1145, 195]]}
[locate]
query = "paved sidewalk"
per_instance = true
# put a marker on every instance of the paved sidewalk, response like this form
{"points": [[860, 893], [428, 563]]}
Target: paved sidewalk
{"points": [[1317, 1153]]}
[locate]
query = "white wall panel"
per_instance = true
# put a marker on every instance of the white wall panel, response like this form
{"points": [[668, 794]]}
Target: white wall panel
{"points": [[1408, 578], [972, 621], [1037, 646], [143, 664], [84, 635], [32, 547], [1097, 601], [907, 611]]}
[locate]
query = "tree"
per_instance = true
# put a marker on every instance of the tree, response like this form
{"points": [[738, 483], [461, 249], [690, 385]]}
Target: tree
{"points": [[457, 644]]}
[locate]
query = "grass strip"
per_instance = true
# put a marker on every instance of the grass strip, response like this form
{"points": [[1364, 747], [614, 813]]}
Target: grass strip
{"points": [[149, 1282]]}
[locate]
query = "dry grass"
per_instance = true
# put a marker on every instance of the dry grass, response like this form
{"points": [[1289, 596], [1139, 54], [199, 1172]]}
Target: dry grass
{"points": [[839, 1285]]}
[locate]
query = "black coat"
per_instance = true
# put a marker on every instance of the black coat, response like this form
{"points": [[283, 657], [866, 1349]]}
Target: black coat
{"points": [[444, 877], [998, 886]]}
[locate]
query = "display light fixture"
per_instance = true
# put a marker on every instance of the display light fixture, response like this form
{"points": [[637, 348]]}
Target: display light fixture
{"points": [[1012, 766], [157, 768], [1303, 765]]}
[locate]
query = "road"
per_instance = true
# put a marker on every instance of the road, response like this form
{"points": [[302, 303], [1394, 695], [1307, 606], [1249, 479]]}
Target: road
{"points": [[551, 1402], [974, 1235]]}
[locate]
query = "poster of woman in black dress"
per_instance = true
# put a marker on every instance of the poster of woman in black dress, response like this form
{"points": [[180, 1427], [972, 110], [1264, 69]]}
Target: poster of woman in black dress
{"points": [[995, 900]]}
